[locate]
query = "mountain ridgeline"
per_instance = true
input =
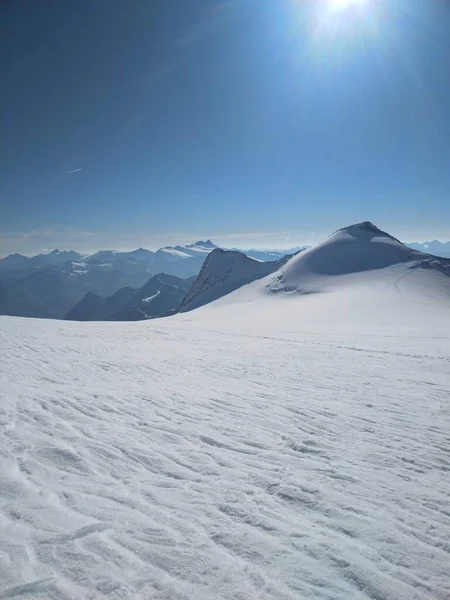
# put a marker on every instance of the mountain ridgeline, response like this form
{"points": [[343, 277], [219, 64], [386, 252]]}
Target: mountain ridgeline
{"points": [[223, 272], [52, 285], [161, 296], [122, 286]]}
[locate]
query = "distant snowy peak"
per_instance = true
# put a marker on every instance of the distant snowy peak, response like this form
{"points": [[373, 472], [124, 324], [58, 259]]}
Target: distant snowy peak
{"points": [[223, 272], [140, 255], [198, 250], [180, 260], [201, 244], [102, 256], [434, 247], [58, 258]]}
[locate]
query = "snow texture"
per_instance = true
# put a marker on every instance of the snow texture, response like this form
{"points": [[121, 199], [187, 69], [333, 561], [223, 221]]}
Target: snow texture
{"points": [[265, 446]]}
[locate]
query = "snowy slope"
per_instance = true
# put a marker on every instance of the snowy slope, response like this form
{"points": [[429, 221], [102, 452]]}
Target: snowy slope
{"points": [[360, 247], [358, 276], [267, 445]]}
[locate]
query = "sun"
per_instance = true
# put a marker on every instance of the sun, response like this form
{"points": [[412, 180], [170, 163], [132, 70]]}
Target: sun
{"points": [[343, 4]]}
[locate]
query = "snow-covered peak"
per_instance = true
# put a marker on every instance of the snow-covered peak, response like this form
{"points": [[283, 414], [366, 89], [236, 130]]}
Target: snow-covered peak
{"points": [[56, 252], [139, 255], [102, 255], [140, 251], [435, 247], [201, 244], [58, 258], [199, 249], [223, 272], [365, 231], [353, 249]]}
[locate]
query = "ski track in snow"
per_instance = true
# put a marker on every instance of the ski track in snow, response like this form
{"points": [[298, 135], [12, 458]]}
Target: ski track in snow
{"points": [[165, 461]]}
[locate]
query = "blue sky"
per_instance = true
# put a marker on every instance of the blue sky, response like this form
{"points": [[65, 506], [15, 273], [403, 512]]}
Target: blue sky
{"points": [[252, 122]]}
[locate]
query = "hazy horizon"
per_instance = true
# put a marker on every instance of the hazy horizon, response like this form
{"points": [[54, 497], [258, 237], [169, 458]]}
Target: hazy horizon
{"points": [[245, 241]]}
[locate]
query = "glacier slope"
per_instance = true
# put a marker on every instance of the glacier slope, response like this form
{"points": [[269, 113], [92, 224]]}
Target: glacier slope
{"points": [[190, 458]]}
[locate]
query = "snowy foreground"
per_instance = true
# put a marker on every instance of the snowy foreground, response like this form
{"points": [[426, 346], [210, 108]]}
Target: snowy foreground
{"points": [[265, 446]]}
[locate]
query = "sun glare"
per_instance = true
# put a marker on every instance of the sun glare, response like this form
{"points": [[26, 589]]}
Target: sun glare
{"points": [[343, 4]]}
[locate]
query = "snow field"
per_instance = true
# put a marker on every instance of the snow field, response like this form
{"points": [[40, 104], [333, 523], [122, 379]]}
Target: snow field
{"points": [[178, 459]]}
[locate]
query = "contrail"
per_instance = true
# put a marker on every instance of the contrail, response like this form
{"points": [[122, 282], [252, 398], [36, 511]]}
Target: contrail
{"points": [[74, 171]]}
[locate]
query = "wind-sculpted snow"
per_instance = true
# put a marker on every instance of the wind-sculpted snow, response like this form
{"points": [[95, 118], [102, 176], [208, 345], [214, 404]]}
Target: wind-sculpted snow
{"points": [[220, 457]]}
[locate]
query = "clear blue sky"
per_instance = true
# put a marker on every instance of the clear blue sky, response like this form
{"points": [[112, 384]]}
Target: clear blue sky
{"points": [[253, 122]]}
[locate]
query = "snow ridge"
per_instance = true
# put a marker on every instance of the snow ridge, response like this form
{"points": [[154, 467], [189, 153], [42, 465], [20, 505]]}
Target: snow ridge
{"points": [[223, 272], [355, 249]]}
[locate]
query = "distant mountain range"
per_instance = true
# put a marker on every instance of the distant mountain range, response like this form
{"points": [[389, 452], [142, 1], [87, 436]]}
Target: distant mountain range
{"points": [[434, 247], [111, 285], [52, 285]]}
